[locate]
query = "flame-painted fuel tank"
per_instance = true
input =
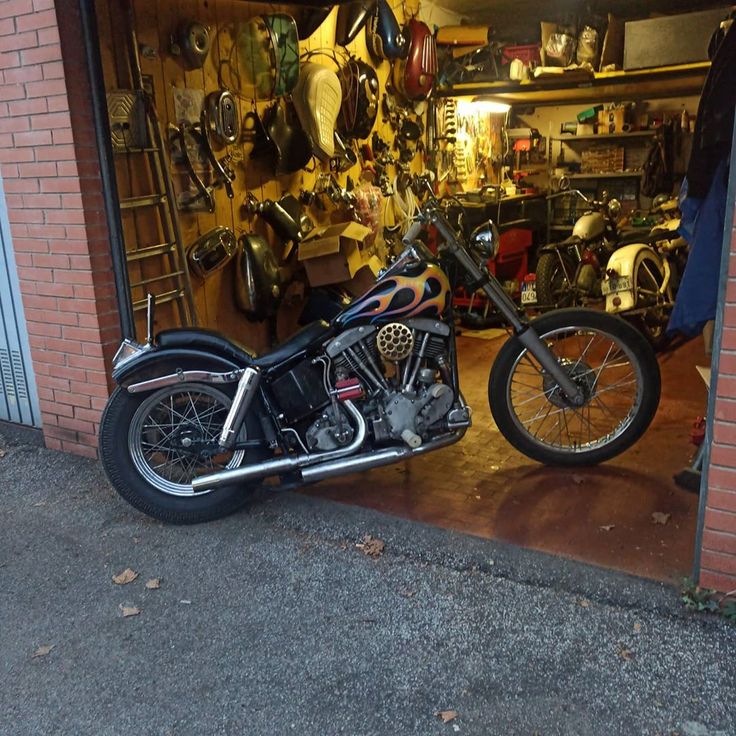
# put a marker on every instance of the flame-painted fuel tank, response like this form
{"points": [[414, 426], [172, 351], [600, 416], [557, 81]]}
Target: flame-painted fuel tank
{"points": [[590, 226], [418, 290]]}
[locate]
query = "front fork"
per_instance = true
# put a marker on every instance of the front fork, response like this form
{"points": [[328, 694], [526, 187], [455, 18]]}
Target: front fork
{"points": [[522, 329]]}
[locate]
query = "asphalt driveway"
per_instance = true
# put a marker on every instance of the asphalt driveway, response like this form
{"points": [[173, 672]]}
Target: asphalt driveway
{"points": [[274, 622]]}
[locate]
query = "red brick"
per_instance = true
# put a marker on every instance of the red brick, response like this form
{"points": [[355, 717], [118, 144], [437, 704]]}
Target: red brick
{"points": [[718, 562], [48, 36], [72, 201], [39, 5], [27, 107], [33, 138], [719, 476], [58, 318], [32, 301], [45, 231], [79, 449], [55, 289], [721, 499], [76, 424], [51, 120], [39, 55], [63, 135], [37, 170], [52, 443], [43, 260], [721, 521], [69, 168], [719, 541], [30, 245], [88, 415], [29, 216], [89, 389], [26, 40], [71, 245], [57, 103], [65, 217], [53, 382], [9, 60], [35, 274], [10, 8], [37, 20], [23, 74], [726, 410], [42, 201], [21, 186], [84, 334], [14, 125], [55, 153], [84, 361], [54, 408], [7, 25], [16, 155], [74, 399]]}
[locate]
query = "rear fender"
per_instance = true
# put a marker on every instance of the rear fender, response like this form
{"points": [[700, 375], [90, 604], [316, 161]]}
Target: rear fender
{"points": [[157, 362], [622, 262]]}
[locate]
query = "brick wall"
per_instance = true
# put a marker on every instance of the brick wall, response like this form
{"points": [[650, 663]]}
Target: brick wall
{"points": [[50, 171], [718, 548]]}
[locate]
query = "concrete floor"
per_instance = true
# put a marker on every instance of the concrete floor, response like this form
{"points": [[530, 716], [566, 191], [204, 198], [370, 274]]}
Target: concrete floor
{"points": [[601, 515]]}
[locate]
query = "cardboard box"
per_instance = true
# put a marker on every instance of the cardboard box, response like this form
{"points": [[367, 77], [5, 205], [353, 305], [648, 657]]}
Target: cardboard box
{"points": [[670, 39], [364, 277], [612, 121], [332, 254]]}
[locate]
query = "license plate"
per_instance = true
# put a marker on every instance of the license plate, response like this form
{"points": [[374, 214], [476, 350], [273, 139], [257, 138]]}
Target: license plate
{"points": [[617, 283], [529, 292]]}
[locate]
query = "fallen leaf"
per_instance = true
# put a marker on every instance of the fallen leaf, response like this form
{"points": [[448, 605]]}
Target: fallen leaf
{"points": [[446, 715], [43, 650], [659, 518], [583, 602], [637, 628], [371, 546], [129, 610], [153, 584], [125, 577], [577, 479], [3, 453], [625, 653], [607, 527]]}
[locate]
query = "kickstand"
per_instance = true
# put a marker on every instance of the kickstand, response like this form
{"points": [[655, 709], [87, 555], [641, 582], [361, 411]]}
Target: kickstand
{"points": [[689, 478]]}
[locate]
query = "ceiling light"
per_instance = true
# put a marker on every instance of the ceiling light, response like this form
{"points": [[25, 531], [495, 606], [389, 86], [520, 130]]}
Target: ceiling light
{"points": [[469, 107]]}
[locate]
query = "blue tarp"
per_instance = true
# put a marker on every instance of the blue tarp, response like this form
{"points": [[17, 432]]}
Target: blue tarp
{"points": [[702, 226]]}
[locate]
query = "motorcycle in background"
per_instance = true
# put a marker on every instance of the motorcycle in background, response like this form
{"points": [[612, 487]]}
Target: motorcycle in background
{"points": [[197, 421], [570, 272], [642, 278]]}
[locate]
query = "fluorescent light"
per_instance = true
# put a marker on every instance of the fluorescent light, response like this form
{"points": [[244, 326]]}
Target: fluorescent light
{"points": [[469, 107]]}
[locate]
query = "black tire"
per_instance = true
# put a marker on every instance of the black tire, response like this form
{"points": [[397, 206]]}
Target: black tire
{"points": [[648, 383], [553, 286], [117, 460], [647, 276]]}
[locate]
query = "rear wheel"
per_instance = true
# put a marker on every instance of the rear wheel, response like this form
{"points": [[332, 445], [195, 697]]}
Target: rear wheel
{"points": [[172, 437], [607, 358], [553, 280]]}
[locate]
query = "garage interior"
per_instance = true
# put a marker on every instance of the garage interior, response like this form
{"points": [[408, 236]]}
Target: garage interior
{"points": [[526, 102]]}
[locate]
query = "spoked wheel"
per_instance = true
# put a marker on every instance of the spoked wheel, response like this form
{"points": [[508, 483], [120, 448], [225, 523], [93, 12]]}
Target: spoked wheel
{"points": [[608, 359], [172, 438], [648, 279], [553, 285]]}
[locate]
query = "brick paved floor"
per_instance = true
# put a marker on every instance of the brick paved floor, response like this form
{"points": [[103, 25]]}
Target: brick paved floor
{"points": [[483, 486]]}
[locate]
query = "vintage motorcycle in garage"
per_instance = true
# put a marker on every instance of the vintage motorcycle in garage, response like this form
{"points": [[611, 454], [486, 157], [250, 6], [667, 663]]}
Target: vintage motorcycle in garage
{"points": [[197, 421]]}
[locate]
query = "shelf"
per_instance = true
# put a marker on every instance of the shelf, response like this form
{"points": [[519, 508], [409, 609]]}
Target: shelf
{"points": [[666, 81], [605, 136], [609, 175]]}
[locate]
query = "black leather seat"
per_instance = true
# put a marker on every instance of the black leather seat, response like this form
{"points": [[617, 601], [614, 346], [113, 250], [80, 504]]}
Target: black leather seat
{"points": [[311, 334]]}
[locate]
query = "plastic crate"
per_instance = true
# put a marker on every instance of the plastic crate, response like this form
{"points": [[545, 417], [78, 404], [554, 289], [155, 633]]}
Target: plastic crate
{"points": [[528, 53]]}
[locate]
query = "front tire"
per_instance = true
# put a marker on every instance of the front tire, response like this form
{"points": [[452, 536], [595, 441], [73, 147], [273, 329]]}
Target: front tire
{"points": [[613, 364], [146, 458]]}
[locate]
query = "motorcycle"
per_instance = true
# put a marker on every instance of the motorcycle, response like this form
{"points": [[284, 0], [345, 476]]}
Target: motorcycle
{"points": [[197, 421], [570, 272], [641, 279]]}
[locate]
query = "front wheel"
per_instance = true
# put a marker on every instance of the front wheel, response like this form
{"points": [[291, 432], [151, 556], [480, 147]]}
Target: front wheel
{"points": [[153, 445], [610, 361]]}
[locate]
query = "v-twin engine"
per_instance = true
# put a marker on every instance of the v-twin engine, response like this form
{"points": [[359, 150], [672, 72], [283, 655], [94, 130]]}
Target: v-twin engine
{"points": [[403, 368]]}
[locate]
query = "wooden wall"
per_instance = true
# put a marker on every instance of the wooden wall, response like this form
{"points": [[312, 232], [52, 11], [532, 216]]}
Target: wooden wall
{"points": [[155, 21]]}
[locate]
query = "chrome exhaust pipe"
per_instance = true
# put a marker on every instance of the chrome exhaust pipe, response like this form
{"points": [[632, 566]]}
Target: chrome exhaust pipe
{"points": [[283, 464], [371, 460]]}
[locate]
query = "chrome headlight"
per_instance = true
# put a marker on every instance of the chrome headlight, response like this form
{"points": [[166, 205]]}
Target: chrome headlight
{"points": [[485, 240]]}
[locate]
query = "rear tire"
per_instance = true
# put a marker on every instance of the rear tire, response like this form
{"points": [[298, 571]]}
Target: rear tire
{"points": [[553, 287], [127, 469], [583, 326]]}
